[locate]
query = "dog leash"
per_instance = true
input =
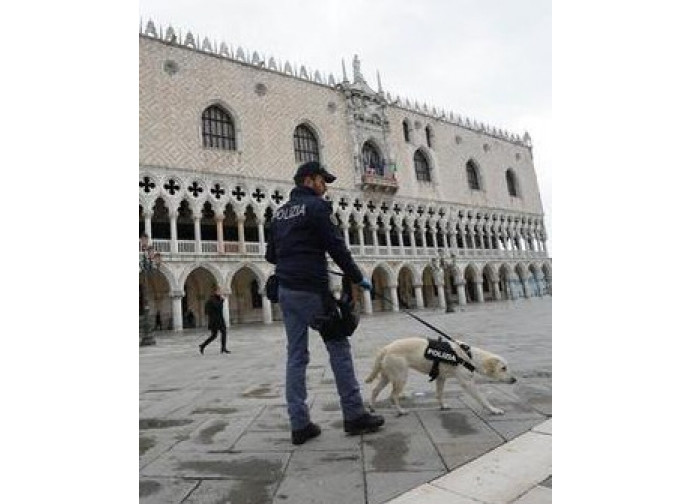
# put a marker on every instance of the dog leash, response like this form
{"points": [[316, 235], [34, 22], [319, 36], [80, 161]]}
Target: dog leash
{"points": [[465, 347]]}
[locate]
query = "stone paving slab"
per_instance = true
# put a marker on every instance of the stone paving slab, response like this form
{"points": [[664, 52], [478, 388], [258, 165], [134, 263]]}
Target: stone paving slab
{"points": [[227, 433], [502, 475], [231, 491], [318, 477], [383, 486], [402, 445], [429, 494], [537, 495], [158, 490], [267, 467]]}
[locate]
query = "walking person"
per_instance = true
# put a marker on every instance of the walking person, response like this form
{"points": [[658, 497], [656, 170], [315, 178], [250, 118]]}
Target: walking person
{"points": [[216, 322], [159, 321], [302, 232]]}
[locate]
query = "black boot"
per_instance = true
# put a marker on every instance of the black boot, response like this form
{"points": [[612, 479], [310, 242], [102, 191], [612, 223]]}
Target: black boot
{"points": [[301, 436], [363, 424], [201, 349]]}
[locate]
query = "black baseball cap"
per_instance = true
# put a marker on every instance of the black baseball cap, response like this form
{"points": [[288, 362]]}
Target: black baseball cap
{"points": [[310, 169]]}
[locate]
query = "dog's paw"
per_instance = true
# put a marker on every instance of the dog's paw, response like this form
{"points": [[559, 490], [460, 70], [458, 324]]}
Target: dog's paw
{"points": [[444, 407], [402, 412], [496, 411]]}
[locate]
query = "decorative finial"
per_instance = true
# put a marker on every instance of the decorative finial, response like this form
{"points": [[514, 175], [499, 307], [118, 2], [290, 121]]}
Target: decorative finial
{"points": [[357, 72], [344, 72], [378, 80]]}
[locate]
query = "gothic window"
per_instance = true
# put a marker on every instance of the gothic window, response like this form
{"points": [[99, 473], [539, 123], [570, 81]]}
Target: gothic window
{"points": [[218, 130], [429, 136], [421, 166], [472, 175], [512, 183], [306, 145], [406, 130], [373, 163]]}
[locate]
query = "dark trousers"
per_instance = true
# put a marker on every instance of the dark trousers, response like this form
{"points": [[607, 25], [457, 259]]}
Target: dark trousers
{"points": [[214, 334]]}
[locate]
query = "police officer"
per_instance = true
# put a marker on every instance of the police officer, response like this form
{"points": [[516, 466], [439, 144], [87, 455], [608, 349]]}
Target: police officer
{"points": [[302, 232]]}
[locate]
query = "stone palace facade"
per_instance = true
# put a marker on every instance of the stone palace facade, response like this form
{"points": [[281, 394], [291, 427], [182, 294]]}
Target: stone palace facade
{"points": [[436, 208]]}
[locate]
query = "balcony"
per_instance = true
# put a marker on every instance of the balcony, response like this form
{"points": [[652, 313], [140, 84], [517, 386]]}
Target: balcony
{"points": [[254, 250], [379, 177]]}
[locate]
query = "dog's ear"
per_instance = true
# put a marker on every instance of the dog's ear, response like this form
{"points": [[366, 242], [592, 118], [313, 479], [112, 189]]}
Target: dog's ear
{"points": [[491, 364]]}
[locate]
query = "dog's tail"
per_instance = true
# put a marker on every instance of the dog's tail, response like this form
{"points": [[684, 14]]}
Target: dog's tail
{"points": [[377, 366]]}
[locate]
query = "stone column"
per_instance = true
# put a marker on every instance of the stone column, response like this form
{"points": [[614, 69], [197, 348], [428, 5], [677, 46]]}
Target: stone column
{"points": [[346, 235], [525, 287], [173, 234], [413, 241], [393, 296], [366, 301], [226, 307], [434, 240], [360, 237], [479, 291], [422, 231], [470, 235], [262, 238], [240, 234], [375, 238], [454, 240], [147, 224], [400, 240], [197, 233], [539, 282], [389, 248], [462, 298], [441, 293], [512, 280], [266, 309], [219, 233], [176, 297], [497, 291]]}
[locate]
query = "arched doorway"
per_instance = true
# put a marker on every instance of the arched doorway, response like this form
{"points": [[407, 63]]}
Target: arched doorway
{"points": [[488, 284], [157, 294], [534, 280], [246, 302], [429, 288], [522, 280], [504, 281], [197, 288], [406, 294], [381, 283], [547, 278], [471, 293]]}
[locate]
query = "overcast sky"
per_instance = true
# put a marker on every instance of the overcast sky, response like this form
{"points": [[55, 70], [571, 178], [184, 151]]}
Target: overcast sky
{"points": [[489, 60]]}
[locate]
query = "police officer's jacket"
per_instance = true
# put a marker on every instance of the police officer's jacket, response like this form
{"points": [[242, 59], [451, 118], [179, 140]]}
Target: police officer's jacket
{"points": [[301, 234]]}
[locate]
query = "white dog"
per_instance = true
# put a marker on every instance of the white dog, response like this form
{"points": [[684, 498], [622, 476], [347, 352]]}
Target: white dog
{"points": [[393, 361]]}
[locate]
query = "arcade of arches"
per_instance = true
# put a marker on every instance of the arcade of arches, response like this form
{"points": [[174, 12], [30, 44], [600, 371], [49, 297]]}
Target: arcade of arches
{"points": [[178, 290]]}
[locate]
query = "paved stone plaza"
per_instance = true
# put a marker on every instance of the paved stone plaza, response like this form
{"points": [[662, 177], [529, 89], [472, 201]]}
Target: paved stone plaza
{"points": [[213, 428]]}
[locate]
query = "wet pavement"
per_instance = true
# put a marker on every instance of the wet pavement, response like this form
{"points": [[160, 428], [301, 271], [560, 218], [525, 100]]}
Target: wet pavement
{"points": [[214, 428]]}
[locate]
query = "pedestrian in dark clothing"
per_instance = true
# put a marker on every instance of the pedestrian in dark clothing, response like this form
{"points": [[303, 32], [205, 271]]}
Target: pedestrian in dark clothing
{"points": [[302, 232], [159, 321], [216, 322]]}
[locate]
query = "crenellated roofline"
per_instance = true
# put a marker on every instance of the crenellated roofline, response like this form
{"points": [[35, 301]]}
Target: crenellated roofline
{"points": [[252, 58]]}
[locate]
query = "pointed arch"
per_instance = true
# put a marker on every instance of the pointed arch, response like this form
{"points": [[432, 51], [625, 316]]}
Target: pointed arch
{"points": [[422, 165], [218, 129], [213, 270], [472, 172]]}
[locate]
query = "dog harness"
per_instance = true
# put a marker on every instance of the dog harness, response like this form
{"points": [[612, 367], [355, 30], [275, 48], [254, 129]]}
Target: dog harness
{"points": [[440, 351]]}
